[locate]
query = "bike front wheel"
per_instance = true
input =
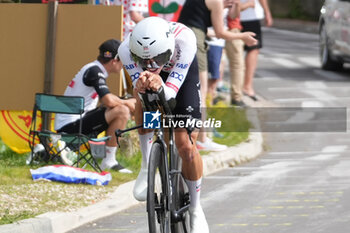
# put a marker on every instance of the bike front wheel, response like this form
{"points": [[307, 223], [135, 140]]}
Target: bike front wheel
{"points": [[159, 217], [181, 201]]}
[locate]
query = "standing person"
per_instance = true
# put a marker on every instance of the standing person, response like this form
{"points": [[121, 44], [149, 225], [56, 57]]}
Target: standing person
{"points": [[133, 11], [235, 52], [199, 15], [90, 83], [250, 20], [160, 53], [215, 65]]}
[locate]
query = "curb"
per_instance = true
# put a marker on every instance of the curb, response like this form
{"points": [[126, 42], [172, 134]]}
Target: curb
{"points": [[236, 155]]}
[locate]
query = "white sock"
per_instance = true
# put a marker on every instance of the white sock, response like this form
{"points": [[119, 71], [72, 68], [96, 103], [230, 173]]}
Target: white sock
{"points": [[194, 188], [146, 145], [110, 156]]}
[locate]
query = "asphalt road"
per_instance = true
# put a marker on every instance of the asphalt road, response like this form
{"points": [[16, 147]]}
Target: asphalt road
{"points": [[301, 183]]}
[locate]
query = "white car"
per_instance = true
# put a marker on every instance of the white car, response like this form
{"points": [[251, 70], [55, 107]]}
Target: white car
{"points": [[334, 31]]}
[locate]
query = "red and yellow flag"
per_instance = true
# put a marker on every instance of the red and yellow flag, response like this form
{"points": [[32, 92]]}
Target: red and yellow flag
{"points": [[15, 127]]}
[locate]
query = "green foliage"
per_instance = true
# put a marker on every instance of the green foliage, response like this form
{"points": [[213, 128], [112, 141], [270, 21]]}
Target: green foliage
{"points": [[9, 218], [297, 11]]}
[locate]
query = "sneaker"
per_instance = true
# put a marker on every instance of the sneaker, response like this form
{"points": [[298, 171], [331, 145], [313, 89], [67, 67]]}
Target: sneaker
{"points": [[217, 99], [238, 103], [140, 188], [198, 223], [216, 134], [210, 145], [116, 167], [223, 89]]}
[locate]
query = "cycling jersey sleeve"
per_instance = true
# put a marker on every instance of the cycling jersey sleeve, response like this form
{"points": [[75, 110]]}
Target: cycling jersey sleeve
{"points": [[95, 78], [185, 50], [129, 64]]}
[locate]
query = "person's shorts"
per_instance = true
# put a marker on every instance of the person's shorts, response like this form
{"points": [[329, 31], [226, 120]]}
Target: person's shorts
{"points": [[94, 123], [214, 61], [253, 26], [188, 97], [202, 48]]}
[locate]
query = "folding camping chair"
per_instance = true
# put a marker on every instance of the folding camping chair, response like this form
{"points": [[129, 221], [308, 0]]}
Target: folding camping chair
{"points": [[50, 146]]}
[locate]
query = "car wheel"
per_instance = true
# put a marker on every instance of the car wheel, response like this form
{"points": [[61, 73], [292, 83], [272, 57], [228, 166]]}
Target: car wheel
{"points": [[327, 62]]}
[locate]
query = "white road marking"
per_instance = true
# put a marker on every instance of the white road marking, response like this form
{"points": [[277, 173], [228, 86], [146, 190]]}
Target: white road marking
{"points": [[286, 63], [310, 61], [337, 149], [323, 157]]}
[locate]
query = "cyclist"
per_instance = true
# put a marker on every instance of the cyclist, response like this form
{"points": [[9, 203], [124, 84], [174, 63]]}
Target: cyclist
{"points": [[160, 53]]}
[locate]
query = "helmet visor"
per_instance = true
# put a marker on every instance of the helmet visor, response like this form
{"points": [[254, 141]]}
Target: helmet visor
{"points": [[155, 62]]}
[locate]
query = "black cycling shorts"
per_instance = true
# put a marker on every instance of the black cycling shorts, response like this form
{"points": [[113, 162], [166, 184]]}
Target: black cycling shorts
{"points": [[188, 97], [94, 122], [253, 26]]}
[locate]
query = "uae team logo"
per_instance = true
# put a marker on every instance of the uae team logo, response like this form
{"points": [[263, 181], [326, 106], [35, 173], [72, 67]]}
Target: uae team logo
{"points": [[151, 120]]}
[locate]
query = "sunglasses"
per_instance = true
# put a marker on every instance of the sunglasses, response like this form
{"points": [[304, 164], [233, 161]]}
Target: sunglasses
{"points": [[155, 62]]}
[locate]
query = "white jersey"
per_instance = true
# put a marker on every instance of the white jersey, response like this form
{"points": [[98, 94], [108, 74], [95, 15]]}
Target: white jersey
{"points": [[97, 74], [178, 65], [250, 14]]}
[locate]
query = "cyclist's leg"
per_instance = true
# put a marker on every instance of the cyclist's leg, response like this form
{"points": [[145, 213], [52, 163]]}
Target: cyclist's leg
{"points": [[188, 100], [145, 137], [192, 169]]}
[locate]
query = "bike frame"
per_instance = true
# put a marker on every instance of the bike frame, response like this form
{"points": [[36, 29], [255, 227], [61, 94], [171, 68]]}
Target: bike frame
{"points": [[170, 163]]}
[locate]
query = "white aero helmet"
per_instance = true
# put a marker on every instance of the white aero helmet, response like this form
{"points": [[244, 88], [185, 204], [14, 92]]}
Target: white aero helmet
{"points": [[152, 39]]}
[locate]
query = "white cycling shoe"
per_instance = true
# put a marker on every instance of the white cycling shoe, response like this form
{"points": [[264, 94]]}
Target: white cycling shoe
{"points": [[198, 223], [140, 188]]}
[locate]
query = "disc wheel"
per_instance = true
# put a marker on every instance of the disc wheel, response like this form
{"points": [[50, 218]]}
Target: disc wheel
{"points": [[159, 217]]}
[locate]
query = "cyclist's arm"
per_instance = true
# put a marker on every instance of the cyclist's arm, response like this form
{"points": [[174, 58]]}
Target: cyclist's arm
{"points": [[185, 48], [130, 65]]}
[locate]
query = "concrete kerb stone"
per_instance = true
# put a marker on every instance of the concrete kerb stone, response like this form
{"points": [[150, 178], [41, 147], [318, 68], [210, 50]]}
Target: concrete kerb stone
{"points": [[236, 155], [119, 200], [32, 225]]}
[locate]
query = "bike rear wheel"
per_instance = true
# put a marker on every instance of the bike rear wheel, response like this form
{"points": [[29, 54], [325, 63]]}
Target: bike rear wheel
{"points": [[159, 217]]}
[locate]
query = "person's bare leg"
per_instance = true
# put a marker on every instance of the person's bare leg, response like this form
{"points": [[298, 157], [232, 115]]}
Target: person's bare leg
{"points": [[203, 79], [116, 118], [192, 170], [192, 166], [251, 61]]}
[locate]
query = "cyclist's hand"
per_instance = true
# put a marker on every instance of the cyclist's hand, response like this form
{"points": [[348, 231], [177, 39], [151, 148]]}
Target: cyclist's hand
{"points": [[152, 81], [141, 84], [248, 38]]}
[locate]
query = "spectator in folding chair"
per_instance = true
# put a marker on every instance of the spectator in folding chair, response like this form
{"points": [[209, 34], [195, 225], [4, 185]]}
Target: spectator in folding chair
{"points": [[112, 114]]}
